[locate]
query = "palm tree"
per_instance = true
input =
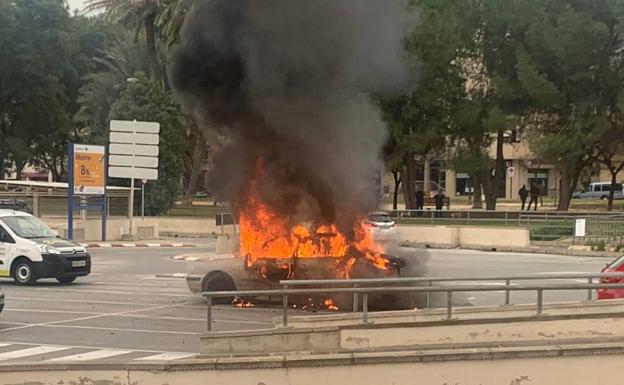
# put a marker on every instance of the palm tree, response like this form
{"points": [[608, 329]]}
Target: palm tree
{"points": [[140, 13]]}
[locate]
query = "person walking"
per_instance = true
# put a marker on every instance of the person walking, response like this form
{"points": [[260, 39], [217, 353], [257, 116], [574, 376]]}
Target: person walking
{"points": [[535, 194], [420, 202], [524, 194], [439, 203]]}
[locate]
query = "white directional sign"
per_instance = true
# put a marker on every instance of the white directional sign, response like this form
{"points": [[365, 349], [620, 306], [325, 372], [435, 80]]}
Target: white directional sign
{"points": [[133, 150]]}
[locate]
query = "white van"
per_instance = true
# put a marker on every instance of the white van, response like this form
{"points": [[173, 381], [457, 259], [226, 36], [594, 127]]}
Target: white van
{"points": [[600, 190], [30, 250]]}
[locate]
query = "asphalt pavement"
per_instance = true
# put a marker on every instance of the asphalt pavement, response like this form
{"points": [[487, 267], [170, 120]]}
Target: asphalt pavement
{"points": [[136, 306]]}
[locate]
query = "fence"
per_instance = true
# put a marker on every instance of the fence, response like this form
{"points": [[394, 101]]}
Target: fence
{"points": [[54, 204], [543, 226], [396, 285]]}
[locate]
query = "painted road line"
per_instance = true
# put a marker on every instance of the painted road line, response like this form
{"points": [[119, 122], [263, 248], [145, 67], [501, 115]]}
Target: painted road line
{"points": [[31, 352], [3, 345], [166, 357], [94, 355]]}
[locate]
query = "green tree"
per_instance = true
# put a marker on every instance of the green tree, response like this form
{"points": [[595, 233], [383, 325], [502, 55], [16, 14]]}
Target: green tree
{"points": [[36, 78], [146, 100], [140, 14]]}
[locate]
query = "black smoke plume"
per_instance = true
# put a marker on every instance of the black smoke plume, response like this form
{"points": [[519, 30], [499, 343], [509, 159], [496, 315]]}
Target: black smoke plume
{"points": [[288, 83]]}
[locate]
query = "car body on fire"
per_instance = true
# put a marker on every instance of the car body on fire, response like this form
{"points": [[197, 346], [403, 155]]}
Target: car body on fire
{"points": [[233, 273]]}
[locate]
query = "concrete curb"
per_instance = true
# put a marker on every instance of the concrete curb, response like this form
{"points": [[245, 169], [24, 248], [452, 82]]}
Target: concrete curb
{"points": [[334, 359], [136, 245]]}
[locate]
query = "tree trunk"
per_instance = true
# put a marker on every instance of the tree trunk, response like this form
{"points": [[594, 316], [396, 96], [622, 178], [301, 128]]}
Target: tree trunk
{"points": [[397, 185], [612, 189], [565, 193], [198, 152], [477, 202], [490, 191], [408, 177], [150, 41]]}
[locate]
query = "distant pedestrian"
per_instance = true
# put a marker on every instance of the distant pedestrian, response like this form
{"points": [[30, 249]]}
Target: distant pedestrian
{"points": [[439, 203], [535, 194], [420, 202], [524, 194], [542, 195]]}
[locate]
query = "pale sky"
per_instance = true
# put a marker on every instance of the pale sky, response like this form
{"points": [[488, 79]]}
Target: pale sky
{"points": [[76, 4]]}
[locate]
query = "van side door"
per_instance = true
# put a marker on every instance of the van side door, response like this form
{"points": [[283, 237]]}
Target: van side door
{"points": [[7, 252]]}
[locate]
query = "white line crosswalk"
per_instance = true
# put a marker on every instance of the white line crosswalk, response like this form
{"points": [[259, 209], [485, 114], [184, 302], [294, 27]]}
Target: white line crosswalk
{"points": [[53, 354], [28, 352]]}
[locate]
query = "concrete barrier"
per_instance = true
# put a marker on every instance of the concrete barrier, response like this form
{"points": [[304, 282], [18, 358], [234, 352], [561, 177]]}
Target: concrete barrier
{"points": [[91, 229], [539, 365], [465, 236]]}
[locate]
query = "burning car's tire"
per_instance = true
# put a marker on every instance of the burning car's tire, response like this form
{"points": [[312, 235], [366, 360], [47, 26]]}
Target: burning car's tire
{"points": [[219, 281]]}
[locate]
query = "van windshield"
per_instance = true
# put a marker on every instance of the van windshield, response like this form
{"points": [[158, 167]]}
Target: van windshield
{"points": [[28, 227]]}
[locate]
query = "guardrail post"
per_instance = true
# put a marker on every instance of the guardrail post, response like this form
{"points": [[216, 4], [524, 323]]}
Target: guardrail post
{"points": [[285, 308], [506, 218], [540, 301], [468, 217], [209, 313], [365, 307], [449, 305], [355, 299], [589, 291], [507, 292]]}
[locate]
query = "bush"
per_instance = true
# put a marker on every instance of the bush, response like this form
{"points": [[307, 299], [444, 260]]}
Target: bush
{"points": [[549, 233]]}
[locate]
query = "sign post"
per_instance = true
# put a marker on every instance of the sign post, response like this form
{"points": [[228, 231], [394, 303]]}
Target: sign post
{"points": [[134, 155], [86, 176], [143, 182]]}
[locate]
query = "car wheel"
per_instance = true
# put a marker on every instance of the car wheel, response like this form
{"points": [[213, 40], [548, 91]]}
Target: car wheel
{"points": [[603, 197], [24, 273], [66, 280], [219, 282]]}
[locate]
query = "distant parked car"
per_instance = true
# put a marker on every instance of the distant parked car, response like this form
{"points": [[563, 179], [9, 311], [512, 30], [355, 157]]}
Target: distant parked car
{"points": [[382, 227], [600, 190], [617, 266]]}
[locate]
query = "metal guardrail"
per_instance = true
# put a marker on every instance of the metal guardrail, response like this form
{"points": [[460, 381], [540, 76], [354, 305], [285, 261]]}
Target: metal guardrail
{"points": [[356, 290]]}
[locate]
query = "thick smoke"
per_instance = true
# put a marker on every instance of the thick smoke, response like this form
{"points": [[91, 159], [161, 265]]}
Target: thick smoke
{"points": [[288, 83]]}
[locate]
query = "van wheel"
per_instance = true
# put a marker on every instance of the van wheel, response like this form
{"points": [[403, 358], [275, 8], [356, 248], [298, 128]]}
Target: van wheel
{"points": [[66, 280], [24, 273]]}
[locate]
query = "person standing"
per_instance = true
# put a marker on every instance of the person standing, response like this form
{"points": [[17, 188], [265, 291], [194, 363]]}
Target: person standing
{"points": [[439, 203], [524, 194], [535, 194], [420, 202]]}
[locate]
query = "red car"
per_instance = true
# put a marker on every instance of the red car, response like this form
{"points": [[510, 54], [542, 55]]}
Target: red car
{"points": [[616, 266]]}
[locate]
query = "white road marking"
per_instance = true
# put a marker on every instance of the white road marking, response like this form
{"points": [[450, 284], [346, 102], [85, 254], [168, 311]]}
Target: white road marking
{"points": [[142, 316], [90, 356], [133, 293], [31, 352], [166, 357], [115, 329], [129, 245], [107, 245], [3, 345], [94, 348]]}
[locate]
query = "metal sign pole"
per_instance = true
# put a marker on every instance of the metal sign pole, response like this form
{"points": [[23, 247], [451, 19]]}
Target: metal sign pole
{"points": [[131, 209], [70, 191], [143, 200], [105, 197]]}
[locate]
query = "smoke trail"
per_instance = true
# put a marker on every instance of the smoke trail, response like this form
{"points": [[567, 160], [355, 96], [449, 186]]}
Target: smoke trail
{"points": [[286, 82]]}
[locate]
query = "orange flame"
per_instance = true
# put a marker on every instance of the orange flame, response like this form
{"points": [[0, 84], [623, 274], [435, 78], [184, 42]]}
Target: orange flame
{"points": [[266, 235], [329, 303]]}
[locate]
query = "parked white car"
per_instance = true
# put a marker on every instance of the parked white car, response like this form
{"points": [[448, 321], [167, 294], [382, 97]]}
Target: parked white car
{"points": [[382, 227], [600, 190]]}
